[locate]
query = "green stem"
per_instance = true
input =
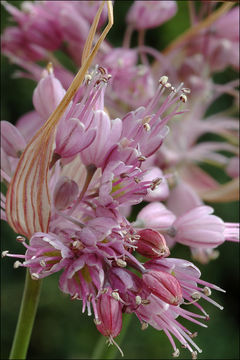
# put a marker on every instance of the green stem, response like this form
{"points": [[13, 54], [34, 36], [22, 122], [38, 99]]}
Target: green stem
{"points": [[26, 318]]}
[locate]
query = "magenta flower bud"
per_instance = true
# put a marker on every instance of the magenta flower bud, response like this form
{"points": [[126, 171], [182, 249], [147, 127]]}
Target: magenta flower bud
{"points": [[164, 285], [109, 311], [152, 244], [47, 95], [12, 140], [65, 193], [149, 14]]}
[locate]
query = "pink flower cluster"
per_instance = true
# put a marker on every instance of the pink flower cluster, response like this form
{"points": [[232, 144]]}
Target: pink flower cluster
{"points": [[112, 150]]}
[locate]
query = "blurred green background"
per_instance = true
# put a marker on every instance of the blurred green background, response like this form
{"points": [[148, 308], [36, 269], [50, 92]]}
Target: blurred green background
{"points": [[61, 331]]}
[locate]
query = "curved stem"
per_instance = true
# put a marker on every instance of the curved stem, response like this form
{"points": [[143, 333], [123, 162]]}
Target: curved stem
{"points": [[187, 35], [26, 318]]}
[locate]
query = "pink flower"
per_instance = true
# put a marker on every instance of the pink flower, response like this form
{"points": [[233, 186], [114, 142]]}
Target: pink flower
{"points": [[199, 228], [156, 216], [48, 94], [12, 140], [149, 14]]}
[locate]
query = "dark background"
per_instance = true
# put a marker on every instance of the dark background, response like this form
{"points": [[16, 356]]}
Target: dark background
{"points": [[61, 331]]}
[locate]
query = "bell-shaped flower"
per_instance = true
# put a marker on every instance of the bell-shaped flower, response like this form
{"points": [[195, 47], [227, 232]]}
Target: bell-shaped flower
{"points": [[108, 133], [199, 228], [149, 14], [48, 94], [12, 140]]}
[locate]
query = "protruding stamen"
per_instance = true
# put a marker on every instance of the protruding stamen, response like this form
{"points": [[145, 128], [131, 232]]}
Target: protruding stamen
{"points": [[20, 238], [176, 353], [141, 158], [96, 321], [4, 253], [193, 335], [116, 295], [121, 263], [138, 300], [147, 127], [43, 263], [163, 80], [145, 302], [78, 245], [207, 291], [194, 355], [196, 295], [17, 264], [49, 68], [183, 98], [74, 297], [186, 90], [34, 276], [155, 183], [144, 326]]}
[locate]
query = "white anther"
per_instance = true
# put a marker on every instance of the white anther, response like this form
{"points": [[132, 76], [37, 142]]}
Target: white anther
{"points": [[141, 158], [145, 302], [168, 85], [17, 264], [4, 253], [49, 68], [116, 295], [77, 244], [138, 300], [207, 291], [176, 353], [34, 276], [193, 335], [147, 127], [137, 180], [75, 296], [196, 295], [183, 98], [20, 238], [194, 355], [163, 80], [186, 90], [97, 321], [121, 263], [144, 326], [43, 263], [88, 78]]}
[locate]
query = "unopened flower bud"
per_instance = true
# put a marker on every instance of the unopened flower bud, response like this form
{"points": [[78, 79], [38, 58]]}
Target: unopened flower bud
{"points": [[65, 193], [152, 244], [12, 140], [109, 312], [47, 95], [164, 285]]}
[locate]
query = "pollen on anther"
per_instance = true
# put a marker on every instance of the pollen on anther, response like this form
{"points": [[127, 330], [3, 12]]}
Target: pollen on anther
{"points": [[20, 238], [176, 353], [34, 276], [183, 98], [207, 291], [4, 253], [163, 80], [138, 300], [17, 264], [144, 326], [121, 263]]}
